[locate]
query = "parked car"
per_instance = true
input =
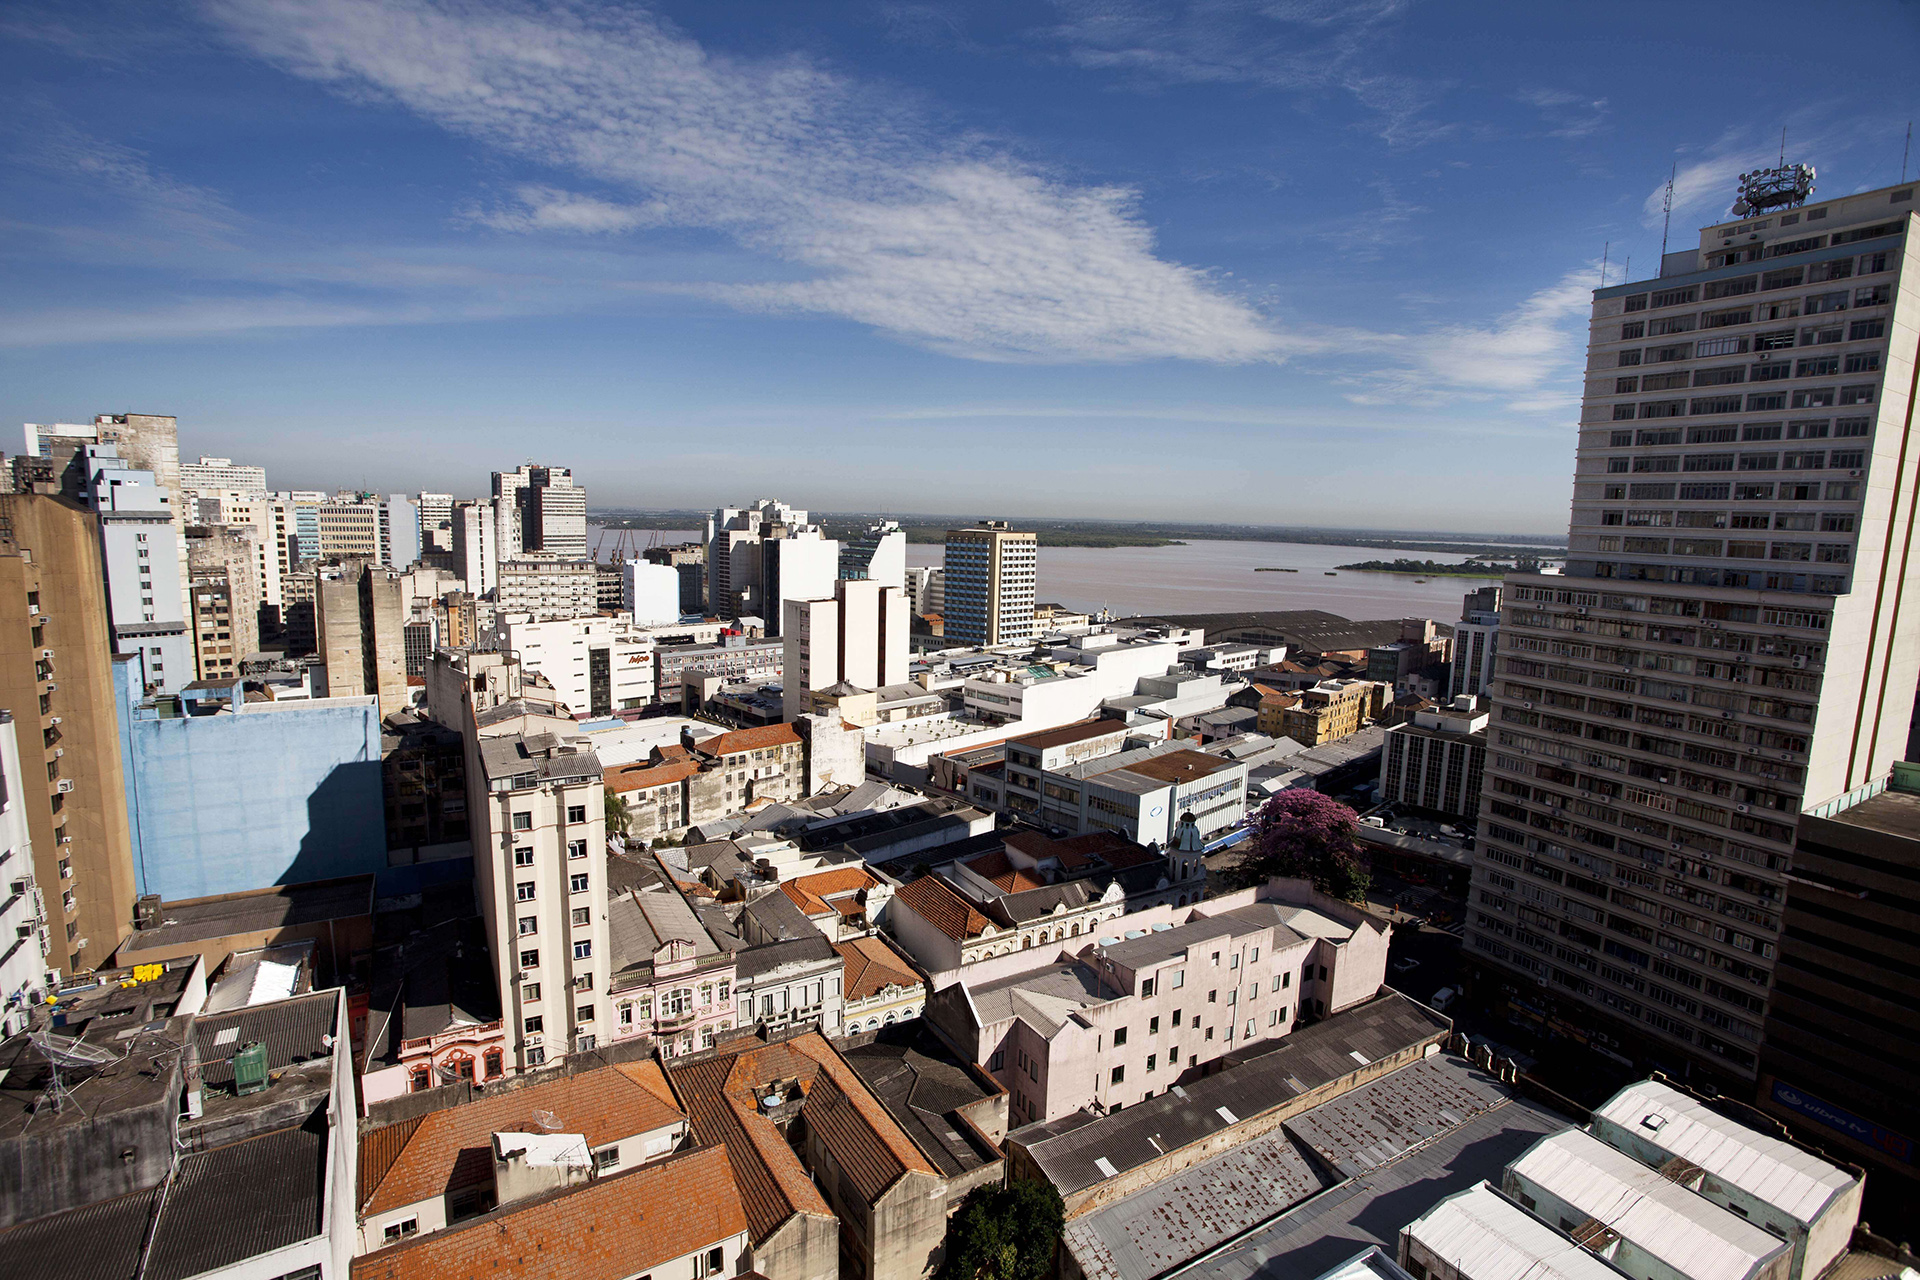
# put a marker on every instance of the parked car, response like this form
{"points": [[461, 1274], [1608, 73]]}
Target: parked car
{"points": [[1442, 998], [1405, 964]]}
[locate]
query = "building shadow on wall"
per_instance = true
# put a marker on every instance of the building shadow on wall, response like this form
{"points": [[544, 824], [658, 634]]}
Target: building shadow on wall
{"points": [[346, 826]]}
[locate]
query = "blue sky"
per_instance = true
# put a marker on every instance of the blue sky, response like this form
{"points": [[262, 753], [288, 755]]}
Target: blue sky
{"points": [[1322, 263]]}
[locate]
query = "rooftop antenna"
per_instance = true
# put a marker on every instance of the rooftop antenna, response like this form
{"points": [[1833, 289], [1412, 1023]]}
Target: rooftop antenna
{"points": [[1666, 207], [1905, 151], [1604, 254], [1783, 146], [63, 1052]]}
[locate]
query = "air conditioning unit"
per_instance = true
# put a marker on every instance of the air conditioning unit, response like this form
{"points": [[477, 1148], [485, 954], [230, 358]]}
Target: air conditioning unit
{"points": [[81, 944], [53, 720], [58, 752], [21, 885], [1800, 661], [25, 930], [64, 786], [47, 653], [534, 1040], [1726, 715], [1740, 808], [66, 839]]}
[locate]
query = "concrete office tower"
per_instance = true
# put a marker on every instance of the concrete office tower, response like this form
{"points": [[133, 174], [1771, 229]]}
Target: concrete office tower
{"points": [[436, 523], [1474, 641], [273, 524], [539, 509], [361, 618], [141, 560], [990, 577], [548, 588], [223, 567], [399, 528], [734, 535], [213, 474], [305, 506], [23, 912], [349, 527], [1734, 642], [858, 636], [878, 553], [801, 566], [689, 560], [56, 677], [476, 555], [652, 593]]}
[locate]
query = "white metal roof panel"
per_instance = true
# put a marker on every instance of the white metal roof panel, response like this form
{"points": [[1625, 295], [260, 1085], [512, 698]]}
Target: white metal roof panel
{"points": [[1774, 1172], [1690, 1233], [1488, 1237]]}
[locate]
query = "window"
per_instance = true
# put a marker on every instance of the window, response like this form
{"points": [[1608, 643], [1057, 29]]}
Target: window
{"points": [[402, 1229], [531, 991], [576, 848], [1119, 1037], [523, 857], [536, 1056], [523, 822], [582, 916], [576, 813], [529, 925], [533, 1024], [1213, 997], [524, 891], [1856, 395], [1146, 986], [1153, 1026], [1179, 978], [1119, 1074], [583, 1013], [529, 959], [607, 1158], [583, 949], [578, 884], [1323, 973]]}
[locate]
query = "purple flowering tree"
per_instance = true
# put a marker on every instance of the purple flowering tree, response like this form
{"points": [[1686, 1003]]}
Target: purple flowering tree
{"points": [[1303, 833]]}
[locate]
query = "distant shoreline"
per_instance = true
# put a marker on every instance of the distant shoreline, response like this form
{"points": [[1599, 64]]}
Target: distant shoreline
{"points": [[1094, 533], [1431, 569]]}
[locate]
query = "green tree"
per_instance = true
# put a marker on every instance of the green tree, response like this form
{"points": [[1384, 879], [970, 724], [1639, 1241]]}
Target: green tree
{"points": [[618, 818], [1004, 1233]]}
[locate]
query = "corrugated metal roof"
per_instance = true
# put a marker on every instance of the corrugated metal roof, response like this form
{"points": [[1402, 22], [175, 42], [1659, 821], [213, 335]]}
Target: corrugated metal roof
{"points": [[238, 1201], [1489, 1237], [96, 1242], [293, 1031], [1381, 1121], [1774, 1172], [1682, 1228], [1065, 1148]]}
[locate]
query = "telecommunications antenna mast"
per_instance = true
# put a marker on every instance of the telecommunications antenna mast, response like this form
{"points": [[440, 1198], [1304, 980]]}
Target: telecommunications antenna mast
{"points": [[1666, 208], [1786, 187], [64, 1054]]}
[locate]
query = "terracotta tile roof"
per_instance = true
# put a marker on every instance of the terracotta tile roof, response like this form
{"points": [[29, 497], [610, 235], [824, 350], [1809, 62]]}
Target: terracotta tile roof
{"points": [[871, 964], [726, 744], [649, 1076], [453, 1148], [810, 893], [379, 1149], [867, 1143], [998, 870], [1067, 734], [609, 1229], [1180, 766], [849, 906], [932, 900], [639, 777]]}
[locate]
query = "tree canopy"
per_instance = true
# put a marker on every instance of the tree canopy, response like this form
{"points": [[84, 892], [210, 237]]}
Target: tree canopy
{"points": [[1303, 833], [1004, 1233]]}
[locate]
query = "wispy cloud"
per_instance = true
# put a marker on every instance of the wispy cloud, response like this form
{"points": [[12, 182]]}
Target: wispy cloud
{"points": [[1568, 114], [1293, 45], [1529, 359], [942, 243], [146, 196]]}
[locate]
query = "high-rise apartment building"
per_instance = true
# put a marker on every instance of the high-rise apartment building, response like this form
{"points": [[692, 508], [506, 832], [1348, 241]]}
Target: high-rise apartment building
{"points": [[539, 509], [548, 588], [1475, 638], [23, 912], [737, 560], [399, 531], [858, 636], [223, 566], [56, 677], [215, 474], [436, 523], [360, 616], [140, 557], [476, 552], [1732, 644], [689, 560], [990, 573]]}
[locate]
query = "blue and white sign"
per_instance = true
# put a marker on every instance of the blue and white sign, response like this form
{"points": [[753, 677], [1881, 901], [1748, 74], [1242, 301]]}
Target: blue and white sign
{"points": [[1897, 1145]]}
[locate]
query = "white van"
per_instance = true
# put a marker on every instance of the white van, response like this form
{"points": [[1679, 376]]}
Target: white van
{"points": [[1442, 998]]}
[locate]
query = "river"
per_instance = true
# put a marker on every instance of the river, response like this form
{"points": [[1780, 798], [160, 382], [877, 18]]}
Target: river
{"points": [[1214, 577]]}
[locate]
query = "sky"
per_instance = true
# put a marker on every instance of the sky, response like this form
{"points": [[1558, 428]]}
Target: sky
{"points": [[1275, 261]]}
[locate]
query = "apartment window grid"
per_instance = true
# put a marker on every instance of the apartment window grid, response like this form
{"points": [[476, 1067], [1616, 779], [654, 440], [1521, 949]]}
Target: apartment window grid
{"points": [[1811, 493]]}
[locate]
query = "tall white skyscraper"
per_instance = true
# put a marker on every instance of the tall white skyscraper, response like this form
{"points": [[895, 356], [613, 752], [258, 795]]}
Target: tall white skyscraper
{"points": [[991, 573], [857, 636], [1735, 641], [1474, 639], [539, 510]]}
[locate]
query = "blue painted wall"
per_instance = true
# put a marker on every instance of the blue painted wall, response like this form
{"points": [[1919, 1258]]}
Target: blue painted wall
{"points": [[225, 803]]}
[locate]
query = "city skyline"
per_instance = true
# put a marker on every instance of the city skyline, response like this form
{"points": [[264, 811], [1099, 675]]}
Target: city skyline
{"points": [[830, 248]]}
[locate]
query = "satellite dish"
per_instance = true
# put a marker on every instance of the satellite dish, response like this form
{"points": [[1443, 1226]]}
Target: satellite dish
{"points": [[546, 1120], [65, 1051]]}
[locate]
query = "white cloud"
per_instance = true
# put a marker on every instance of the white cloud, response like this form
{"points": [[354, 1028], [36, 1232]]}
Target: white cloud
{"points": [[946, 245], [1531, 358], [1307, 46], [140, 192]]}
